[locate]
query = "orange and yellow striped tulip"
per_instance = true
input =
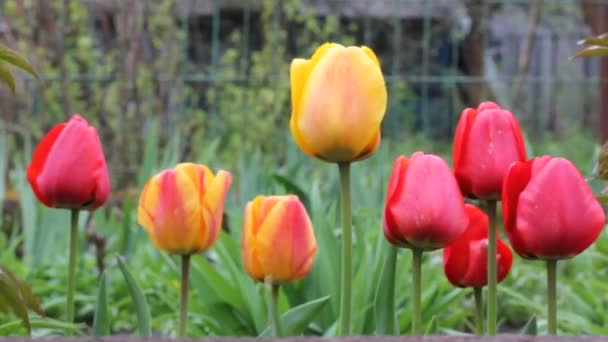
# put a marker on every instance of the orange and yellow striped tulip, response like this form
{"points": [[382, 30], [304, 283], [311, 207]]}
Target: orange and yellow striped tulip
{"points": [[338, 99], [182, 208], [278, 239]]}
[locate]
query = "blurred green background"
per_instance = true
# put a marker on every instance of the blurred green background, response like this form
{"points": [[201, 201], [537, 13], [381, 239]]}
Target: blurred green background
{"points": [[208, 81]]}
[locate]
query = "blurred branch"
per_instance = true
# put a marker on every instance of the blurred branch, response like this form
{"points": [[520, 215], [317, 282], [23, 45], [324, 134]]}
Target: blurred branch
{"points": [[524, 58]]}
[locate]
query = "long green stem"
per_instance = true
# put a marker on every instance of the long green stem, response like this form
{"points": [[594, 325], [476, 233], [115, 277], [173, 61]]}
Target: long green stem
{"points": [[477, 292], [183, 305], [552, 296], [416, 279], [273, 302], [72, 269], [491, 211], [346, 281]]}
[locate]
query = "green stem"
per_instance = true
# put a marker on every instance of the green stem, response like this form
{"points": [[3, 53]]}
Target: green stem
{"points": [[273, 303], [552, 296], [477, 292], [416, 279], [72, 269], [183, 305], [491, 211], [346, 285]]}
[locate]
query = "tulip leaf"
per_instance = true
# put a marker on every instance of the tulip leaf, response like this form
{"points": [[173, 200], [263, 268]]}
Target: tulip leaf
{"points": [[101, 322], [592, 51], [26, 293], [602, 197], [601, 40], [384, 304], [6, 76], [11, 299], [139, 300], [42, 323], [297, 319], [432, 327], [292, 187], [530, 328], [13, 58]]}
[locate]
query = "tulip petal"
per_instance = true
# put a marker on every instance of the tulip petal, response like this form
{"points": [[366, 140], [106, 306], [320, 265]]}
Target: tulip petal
{"points": [[286, 225], [558, 215], [39, 159], [429, 207], [488, 105], [456, 256], [504, 260], [68, 179], [345, 86], [460, 137], [395, 186], [250, 260], [299, 72], [515, 182], [148, 201], [486, 142], [213, 203], [370, 53], [371, 147], [477, 268]]}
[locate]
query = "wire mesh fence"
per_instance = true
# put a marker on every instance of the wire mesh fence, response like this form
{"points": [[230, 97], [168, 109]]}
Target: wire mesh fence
{"points": [[211, 69]]}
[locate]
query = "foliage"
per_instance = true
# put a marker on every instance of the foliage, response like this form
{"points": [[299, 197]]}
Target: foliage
{"points": [[596, 46], [8, 57], [151, 115], [17, 297], [225, 301]]}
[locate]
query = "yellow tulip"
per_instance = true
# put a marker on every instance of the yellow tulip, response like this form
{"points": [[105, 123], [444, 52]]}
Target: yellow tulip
{"points": [[278, 239], [338, 101], [182, 208]]}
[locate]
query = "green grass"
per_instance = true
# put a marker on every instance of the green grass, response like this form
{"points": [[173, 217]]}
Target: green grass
{"points": [[224, 301]]}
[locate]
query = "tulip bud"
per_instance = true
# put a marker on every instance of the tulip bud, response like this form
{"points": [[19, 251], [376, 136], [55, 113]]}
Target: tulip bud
{"points": [[465, 261], [68, 168], [181, 208], [278, 239], [424, 207], [338, 101], [549, 210], [487, 140]]}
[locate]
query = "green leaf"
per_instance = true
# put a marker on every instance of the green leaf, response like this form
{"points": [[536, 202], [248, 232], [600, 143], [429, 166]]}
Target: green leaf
{"points": [[431, 328], [384, 307], [592, 51], [601, 40], [297, 319], [6, 76], [101, 322], [26, 293], [17, 297], [139, 300], [13, 58], [292, 187], [530, 328], [42, 323], [11, 299]]}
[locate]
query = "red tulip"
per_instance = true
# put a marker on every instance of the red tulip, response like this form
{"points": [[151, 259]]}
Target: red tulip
{"points": [[465, 262], [68, 169], [487, 140], [424, 206], [549, 210]]}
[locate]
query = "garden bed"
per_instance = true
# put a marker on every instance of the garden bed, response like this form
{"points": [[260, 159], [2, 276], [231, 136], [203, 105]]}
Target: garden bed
{"points": [[508, 338]]}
